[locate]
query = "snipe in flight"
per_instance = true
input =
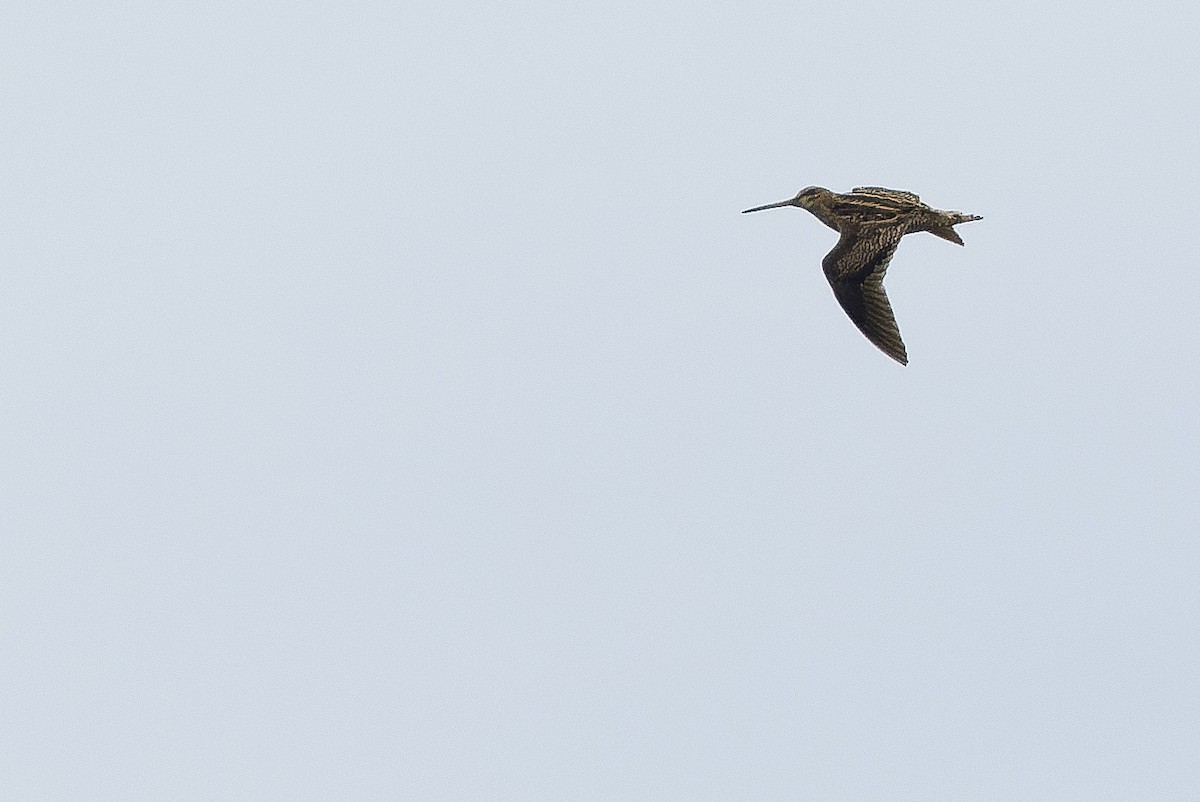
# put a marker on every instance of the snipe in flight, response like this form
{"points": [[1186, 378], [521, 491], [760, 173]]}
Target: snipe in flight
{"points": [[871, 221]]}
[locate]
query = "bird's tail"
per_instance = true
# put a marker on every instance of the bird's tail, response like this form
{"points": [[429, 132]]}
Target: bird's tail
{"points": [[947, 232]]}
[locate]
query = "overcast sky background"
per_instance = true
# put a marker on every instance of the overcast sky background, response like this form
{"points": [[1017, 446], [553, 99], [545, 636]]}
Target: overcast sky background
{"points": [[397, 406]]}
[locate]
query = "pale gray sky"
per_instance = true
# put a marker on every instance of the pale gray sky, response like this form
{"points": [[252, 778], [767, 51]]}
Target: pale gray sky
{"points": [[397, 406]]}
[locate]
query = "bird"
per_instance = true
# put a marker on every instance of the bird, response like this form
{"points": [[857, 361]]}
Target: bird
{"points": [[871, 221]]}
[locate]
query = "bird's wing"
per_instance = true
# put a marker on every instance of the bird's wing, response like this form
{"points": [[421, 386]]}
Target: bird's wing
{"points": [[884, 192], [855, 269], [871, 209]]}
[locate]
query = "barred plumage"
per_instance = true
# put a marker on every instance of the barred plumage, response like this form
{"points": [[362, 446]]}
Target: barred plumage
{"points": [[871, 221]]}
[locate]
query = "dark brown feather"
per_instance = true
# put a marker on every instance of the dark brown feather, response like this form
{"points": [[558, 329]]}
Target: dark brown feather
{"points": [[855, 269]]}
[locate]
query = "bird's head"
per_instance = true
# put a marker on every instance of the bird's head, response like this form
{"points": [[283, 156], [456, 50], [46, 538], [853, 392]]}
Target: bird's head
{"points": [[806, 198]]}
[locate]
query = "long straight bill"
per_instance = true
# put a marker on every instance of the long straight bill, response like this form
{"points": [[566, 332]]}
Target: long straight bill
{"points": [[788, 202]]}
